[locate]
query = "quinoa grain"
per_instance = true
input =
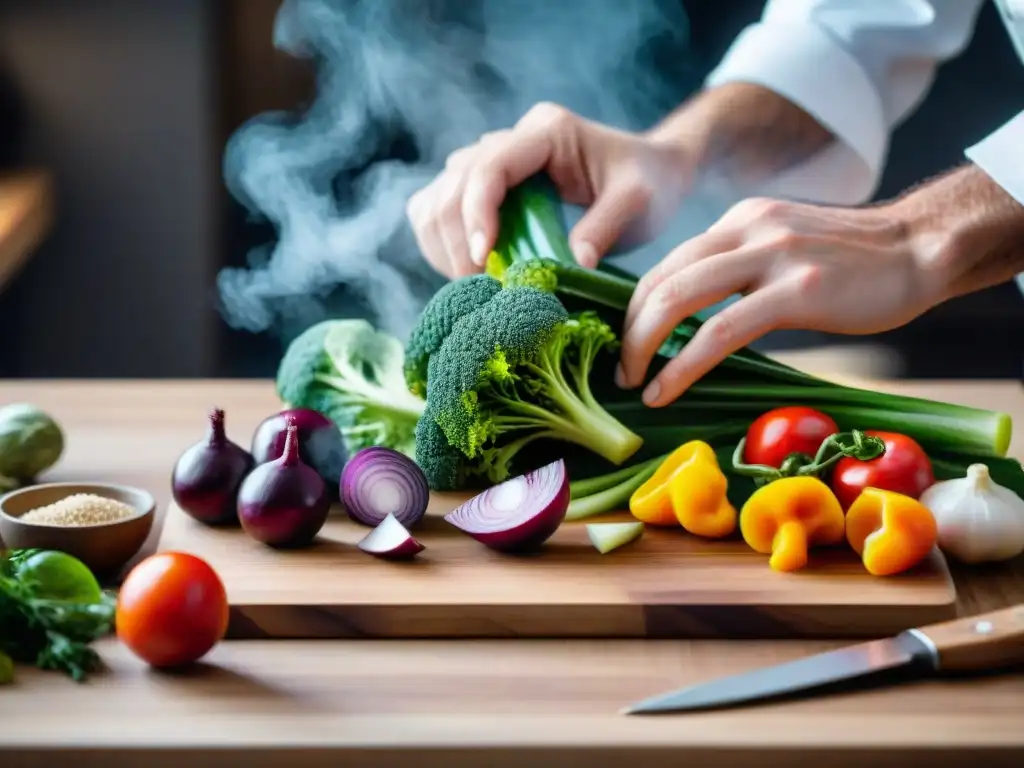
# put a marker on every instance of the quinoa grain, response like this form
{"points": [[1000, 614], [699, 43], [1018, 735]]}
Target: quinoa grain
{"points": [[78, 510]]}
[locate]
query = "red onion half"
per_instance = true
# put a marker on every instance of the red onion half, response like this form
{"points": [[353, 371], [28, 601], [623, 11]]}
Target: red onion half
{"points": [[284, 503], [390, 540], [519, 514], [378, 482]]}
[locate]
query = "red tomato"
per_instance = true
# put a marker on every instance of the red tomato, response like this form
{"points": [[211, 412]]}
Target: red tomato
{"points": [[903, 468], [775, 435], [172, 609]]}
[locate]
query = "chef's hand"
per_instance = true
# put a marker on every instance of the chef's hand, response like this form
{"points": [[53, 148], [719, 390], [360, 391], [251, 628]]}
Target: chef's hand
{"points": [[629, 182], [837, 270]]}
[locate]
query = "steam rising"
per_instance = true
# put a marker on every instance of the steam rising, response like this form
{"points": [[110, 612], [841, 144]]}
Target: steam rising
{"points": [[430, 76]]}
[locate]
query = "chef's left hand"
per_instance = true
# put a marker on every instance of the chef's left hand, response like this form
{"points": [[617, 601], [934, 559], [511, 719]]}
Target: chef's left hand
{"points": [[838, 270]]}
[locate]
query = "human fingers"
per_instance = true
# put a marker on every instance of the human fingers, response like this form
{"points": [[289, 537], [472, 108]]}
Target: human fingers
{"points": [[691, 252], [726, 332], [677, 297], [426, 233], [447, 217], [616, 207], [524, 151]]}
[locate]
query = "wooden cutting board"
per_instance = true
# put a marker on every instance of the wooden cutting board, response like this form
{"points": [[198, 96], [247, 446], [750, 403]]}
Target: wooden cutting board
{"points": [[667, 584]]}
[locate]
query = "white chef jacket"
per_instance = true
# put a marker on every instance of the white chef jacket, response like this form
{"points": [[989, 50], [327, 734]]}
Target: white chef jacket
{"points": [[860, 67]]}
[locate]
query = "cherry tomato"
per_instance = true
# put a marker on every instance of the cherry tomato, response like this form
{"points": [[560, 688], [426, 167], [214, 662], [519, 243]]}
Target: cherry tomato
{"points": [[172, 609], [776, 434], [903, 468]]}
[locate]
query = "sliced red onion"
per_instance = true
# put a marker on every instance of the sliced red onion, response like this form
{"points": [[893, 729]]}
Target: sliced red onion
{"points": [[378, 482], [518, 514], [391, 541]]}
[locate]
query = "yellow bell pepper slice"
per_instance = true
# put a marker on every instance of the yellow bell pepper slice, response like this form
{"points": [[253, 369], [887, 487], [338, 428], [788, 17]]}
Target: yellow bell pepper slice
{"points": [[687, 489], [891, 532], [789, 516]]}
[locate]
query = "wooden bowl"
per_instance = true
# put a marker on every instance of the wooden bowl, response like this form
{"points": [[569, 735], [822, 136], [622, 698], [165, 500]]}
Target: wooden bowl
{"points": [[104, 548]]}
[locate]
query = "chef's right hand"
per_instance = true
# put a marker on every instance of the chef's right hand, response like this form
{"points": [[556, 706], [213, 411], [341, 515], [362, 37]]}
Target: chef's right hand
{"points": [[629, 183]]}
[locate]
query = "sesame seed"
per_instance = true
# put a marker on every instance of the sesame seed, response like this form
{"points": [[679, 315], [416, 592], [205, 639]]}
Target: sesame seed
{"points": [[78, 510]]}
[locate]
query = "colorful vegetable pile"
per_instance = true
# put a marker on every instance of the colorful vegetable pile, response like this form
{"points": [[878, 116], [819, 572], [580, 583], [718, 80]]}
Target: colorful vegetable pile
{"points": [[506, 380]]}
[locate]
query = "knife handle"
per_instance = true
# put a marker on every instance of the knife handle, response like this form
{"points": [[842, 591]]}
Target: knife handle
{"points": [[987, 641]]}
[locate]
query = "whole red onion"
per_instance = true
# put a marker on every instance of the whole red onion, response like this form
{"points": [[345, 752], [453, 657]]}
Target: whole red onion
{"points": [[207, 476], [284, 502]]}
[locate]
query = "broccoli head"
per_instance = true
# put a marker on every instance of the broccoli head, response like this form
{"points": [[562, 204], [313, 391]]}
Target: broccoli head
{"points": [[512, 371], [452, 302], [352, 373]]}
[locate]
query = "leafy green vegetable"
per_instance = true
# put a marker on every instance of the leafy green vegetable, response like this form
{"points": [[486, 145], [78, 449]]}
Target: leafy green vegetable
{"points": [[53, 634], [354, 375], [30, 443]]}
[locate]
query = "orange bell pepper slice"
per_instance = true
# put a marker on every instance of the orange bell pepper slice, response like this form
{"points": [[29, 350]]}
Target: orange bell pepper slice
{"points": [[687, 489], [787, 517], [890, 531]]}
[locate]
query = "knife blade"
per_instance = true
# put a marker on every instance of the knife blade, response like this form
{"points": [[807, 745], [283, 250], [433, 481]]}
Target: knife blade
{"points": [[980, 643]]}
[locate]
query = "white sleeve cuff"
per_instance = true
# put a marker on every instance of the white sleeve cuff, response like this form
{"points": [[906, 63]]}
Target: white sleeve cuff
{"points": [[803, 63], [1001, 156]]}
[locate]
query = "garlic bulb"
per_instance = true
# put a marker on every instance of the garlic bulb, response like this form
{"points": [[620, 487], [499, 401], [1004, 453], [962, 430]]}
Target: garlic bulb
{"points": [[978, 520]]}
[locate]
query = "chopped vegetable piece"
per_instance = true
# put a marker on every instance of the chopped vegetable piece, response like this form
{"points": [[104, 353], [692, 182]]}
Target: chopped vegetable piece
{"points": [[519, 514], [378, 482], [390, 540], [608, 536], [789, 516], [890, 531], [904, 467], [687, 489], [978, 520]]}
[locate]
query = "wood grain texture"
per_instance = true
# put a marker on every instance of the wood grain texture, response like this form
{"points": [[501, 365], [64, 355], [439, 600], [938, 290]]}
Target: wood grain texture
{"points": [[666, 584], [26, 212], [497, 703], [470, 702]]}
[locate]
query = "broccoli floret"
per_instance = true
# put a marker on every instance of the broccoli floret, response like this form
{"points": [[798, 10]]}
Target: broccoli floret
{"points": [[453, 301], [352, 374], [514, 371], [531, 274]]}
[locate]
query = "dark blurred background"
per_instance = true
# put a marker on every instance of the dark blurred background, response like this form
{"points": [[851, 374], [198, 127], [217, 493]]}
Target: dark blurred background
{"points": [[128, 105]]}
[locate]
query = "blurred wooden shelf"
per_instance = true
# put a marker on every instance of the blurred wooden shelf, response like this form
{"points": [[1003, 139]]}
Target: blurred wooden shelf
{"points": [[26, 214]]}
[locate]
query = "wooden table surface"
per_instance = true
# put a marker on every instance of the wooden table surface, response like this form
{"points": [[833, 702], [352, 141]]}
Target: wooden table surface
{"points": [[465, 703], [25, 215]]}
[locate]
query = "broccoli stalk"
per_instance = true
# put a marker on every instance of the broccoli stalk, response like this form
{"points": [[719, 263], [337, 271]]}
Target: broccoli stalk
{"points": [[549, 392]]}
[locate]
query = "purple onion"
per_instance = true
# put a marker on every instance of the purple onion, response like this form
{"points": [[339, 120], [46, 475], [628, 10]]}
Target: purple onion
{"points": [[284, 502], [391, 541], [378, 482], [321, 444], [208, 475], [519, 514]]}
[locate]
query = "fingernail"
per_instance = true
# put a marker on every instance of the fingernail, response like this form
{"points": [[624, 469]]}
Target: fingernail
{"points": [[586, 254], [651, 393], [620, 377], [478, 248]]}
